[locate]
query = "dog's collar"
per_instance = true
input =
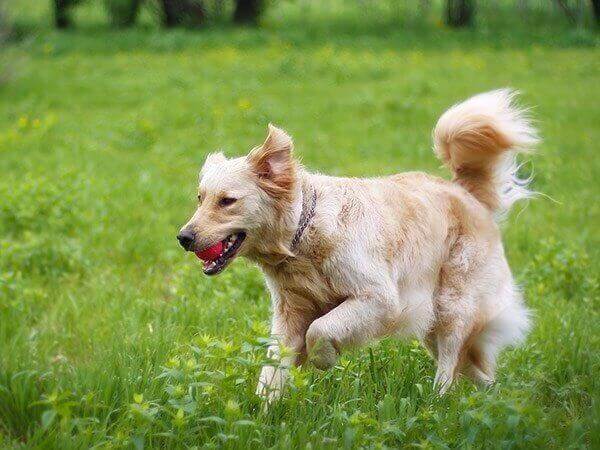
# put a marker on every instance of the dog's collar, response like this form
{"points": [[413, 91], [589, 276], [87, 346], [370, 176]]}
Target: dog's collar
{"points": [[307, 214]]}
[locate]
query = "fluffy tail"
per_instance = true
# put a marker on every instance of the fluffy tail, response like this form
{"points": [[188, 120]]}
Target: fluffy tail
{"points": [[478, 141]]}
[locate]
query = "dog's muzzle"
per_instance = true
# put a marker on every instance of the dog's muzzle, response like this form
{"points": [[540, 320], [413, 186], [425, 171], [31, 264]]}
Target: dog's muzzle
{"points": [[186, 239]]}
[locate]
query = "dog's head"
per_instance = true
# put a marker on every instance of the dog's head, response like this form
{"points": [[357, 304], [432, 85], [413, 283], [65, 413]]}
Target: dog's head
{"points": [[241, 201]]}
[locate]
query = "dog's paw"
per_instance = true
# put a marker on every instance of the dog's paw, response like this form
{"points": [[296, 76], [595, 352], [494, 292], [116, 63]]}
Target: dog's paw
{"points": [[270, 385], [442, 382], [323, 354]]}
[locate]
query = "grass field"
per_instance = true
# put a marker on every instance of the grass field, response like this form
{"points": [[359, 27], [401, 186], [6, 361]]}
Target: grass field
{"points": [[110, 336]]}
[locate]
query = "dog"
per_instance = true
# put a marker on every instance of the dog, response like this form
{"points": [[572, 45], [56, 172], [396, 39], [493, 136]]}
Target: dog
{"points": [[351, 260]]}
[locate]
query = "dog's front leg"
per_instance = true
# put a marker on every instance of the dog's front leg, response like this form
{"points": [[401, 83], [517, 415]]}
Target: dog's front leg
{"points": [[285, 352], [353, 323]]}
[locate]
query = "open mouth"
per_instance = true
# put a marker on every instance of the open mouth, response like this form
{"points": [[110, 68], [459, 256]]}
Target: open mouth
{"points": [[218, 256]]}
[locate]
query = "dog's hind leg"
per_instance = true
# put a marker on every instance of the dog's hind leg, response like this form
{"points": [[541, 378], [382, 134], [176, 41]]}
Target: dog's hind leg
{"points": [[450, 344], [506, 322], [480, 365], [456, 311]]}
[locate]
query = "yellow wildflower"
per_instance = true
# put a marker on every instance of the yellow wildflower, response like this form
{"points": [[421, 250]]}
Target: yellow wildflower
{"points": [[244, 104]]}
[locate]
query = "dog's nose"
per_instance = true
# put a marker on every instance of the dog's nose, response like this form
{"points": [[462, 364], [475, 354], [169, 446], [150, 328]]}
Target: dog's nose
{"points": [[186, 239]]}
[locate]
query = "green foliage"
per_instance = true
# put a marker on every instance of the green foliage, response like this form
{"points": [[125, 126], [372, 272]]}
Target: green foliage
{"points": [[39, 234], [110, 337]]}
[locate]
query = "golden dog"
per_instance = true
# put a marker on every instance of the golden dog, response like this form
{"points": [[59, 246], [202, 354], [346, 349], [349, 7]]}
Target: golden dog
{"points": [[349, 260]]}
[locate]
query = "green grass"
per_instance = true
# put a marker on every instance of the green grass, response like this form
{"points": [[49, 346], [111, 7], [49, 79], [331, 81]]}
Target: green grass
{"points": [[110, 336]]}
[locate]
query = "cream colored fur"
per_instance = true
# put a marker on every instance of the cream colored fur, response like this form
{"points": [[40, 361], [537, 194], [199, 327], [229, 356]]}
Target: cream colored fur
{"points": [[404, 255]]}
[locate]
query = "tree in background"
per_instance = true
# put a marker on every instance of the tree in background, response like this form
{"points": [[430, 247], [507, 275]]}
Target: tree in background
{"points": [[122, 13], [196, 13], [459, 13], [173, 13], [193, 12], [183, 12], [596, 10], [247, 12], [62, 12], [5, 30]]}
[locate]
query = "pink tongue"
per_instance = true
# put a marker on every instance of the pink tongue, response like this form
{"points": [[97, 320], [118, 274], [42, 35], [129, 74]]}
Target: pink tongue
{"points": [[211, 253]]}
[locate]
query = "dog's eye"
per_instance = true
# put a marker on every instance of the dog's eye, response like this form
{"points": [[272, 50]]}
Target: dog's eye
{"points": [[226, 201]]}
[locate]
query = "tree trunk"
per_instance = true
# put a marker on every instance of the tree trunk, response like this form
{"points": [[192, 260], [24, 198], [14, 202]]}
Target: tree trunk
{"points": [[123, 14], [596, 9], [568, 12], [459, 13], [61, 13], [183, 12], [247, 12]]}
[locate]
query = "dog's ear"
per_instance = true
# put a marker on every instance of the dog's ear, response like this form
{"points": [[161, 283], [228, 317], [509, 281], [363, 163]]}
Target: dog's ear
{"points": [[273, 162]]}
